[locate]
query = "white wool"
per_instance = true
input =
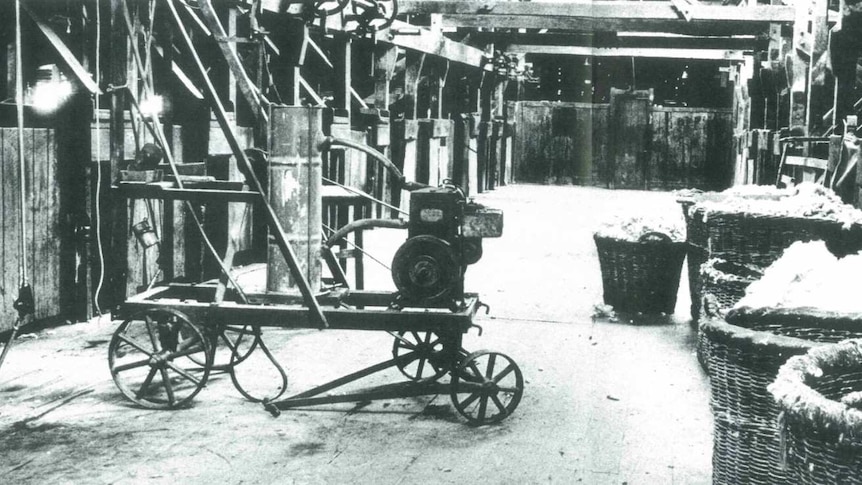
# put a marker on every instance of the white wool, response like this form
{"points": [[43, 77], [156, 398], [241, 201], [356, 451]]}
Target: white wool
{"points": [[805, 200], [633, 228], [808, 276]]}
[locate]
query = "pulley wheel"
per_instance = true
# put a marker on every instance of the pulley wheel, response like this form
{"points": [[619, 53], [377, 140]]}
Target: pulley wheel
{"points": [[487, 387], [155, 359], [425, 268]]}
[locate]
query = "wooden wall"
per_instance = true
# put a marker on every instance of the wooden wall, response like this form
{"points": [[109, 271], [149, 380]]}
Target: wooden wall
{"points": [[559, 142], [568, 143], [692, 147], [43, 238]]}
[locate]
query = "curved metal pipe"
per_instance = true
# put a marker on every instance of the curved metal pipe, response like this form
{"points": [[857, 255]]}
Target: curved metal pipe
{"points": [[364, 224], [331, 141]]}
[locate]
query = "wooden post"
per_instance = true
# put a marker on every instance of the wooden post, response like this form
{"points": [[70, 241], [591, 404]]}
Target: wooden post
{"points": [[385, 58], [844, 49], [343, 62], [412, 76], [799, 60], [819, 101], [114, 213]]}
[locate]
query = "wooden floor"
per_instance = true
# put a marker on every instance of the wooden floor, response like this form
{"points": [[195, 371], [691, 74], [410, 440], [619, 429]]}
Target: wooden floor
{"points": [[604, 403]]}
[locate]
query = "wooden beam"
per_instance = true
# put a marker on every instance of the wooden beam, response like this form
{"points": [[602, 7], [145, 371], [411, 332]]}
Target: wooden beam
{"points": [[419, 39], [80, 72], [639, 39], [700, 54], [600, 9], [246, 86], [178, 72], [612, 24]]}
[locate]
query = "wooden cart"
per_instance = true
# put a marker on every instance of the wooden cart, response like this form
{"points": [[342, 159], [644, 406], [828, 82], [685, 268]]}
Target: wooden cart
{"points": [[170, 337]]}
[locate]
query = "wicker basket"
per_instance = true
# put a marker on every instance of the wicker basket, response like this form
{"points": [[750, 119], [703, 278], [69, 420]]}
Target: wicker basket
{"points": [[755, 239], [722, 285], [744, 355], [821, 427], [641, 276]]}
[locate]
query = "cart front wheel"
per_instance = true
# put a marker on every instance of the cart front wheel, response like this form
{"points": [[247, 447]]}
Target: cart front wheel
{"points": [[487, 387], [155, 359], [421, 353]]}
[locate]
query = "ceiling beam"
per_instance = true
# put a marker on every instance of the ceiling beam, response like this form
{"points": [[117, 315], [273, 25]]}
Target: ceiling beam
{"points": [[603, 15], [609, 24], [419, 39], [639, 39], [693, 54], [601, 9]]}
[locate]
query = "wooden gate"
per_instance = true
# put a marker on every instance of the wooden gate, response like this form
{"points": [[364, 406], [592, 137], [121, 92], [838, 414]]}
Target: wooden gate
{"points": [[629, 137]]}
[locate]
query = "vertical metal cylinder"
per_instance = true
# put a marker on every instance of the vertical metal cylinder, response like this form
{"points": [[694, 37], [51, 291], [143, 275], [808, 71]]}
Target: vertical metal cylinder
{"points": [[295, 170]]}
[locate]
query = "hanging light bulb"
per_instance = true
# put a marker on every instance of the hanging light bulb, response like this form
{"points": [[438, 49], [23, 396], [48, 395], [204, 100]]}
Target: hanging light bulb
{"points": [[50, 91]]}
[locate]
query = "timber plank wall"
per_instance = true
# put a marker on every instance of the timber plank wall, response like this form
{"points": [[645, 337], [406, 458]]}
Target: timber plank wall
{"points": [[567, 143], [42, 231]]}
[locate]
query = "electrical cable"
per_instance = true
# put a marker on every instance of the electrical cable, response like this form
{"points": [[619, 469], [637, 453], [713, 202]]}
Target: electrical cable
{"points": [[361, 250], [19, 102], [98, 195]]}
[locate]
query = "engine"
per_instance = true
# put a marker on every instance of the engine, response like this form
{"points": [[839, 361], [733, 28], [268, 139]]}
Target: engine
{"points": [[444, 236]]}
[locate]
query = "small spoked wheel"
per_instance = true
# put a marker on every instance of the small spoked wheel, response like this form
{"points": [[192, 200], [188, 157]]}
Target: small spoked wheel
{"points": [[487, 387], [422, 352], [159, 360], [231, 344]]}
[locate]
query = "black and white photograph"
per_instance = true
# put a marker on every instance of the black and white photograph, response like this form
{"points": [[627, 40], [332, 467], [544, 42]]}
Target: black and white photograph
{"points": [[421, 242]]}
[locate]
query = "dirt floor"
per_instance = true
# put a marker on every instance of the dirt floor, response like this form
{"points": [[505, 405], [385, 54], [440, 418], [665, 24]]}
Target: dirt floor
{"points": [[604, 402]]}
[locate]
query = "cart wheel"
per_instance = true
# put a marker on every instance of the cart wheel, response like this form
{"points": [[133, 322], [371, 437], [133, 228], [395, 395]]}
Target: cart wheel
{"points": [[226, 341], [487, 387], [426, 350], [155, 359]]}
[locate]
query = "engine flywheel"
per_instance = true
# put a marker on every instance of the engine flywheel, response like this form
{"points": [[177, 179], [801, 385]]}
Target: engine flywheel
{"points": [[425, 269]]}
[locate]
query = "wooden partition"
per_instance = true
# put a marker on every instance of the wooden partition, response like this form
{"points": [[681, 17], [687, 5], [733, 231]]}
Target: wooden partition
{"points": [[560, 143], [571, 143], [434, 159], [691, 147], [43, 237], [404, 154]]}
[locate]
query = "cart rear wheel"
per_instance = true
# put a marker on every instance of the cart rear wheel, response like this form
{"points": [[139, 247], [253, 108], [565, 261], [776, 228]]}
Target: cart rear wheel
{"points": [[155, 359], [231, 344], [425, 350], [487, 387]]}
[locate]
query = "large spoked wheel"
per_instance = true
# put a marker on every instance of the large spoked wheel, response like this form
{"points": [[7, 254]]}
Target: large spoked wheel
{"points": [[422, 352], [155, 359], [487, 387]]}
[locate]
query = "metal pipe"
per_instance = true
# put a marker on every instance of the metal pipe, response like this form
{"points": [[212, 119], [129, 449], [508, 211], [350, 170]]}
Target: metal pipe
{"points": [[364, 224], [331, 141], [295, 183]]}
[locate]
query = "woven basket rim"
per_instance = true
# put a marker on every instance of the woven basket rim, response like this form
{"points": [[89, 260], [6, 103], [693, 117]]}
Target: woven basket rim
{"points": [[677, 244], [803, 404], [721, 331], [697, 208], [796, 315]]}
